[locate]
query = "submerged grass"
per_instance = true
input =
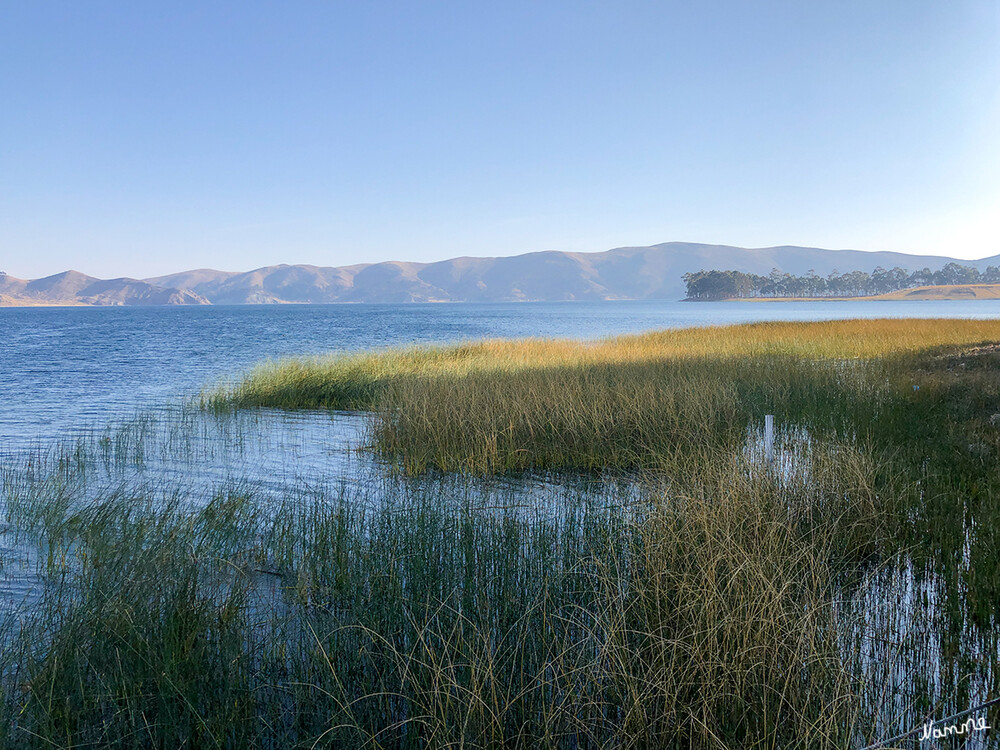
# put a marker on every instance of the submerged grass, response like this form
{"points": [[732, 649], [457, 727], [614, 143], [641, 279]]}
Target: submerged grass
{"points": [[697, 598], [702, 617]]}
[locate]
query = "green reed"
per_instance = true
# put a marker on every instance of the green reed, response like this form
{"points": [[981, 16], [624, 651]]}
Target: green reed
{"points": [[689, 618], [674, 593]]}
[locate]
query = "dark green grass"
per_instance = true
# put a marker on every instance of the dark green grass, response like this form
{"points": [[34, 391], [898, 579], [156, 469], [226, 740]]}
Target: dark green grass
{"points": [[702, 617]]}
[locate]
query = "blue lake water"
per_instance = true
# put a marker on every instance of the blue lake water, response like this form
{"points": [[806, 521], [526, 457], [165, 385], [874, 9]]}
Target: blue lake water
{"points": [[113, 380], [65, 369]]}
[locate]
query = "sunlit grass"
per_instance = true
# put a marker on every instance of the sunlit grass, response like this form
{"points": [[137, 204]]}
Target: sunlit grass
{"points": [[625, 403], [356, 381]]}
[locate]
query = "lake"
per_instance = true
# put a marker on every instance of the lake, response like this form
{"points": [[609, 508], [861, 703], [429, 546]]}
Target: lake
{"points": [[94, 428], [72, 368]]}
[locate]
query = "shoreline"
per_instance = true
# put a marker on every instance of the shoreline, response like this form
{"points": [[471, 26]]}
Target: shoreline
{"points": [[954, 293]]}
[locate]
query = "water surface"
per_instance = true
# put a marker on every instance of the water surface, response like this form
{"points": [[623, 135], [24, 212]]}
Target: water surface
{"points": [[63, 369]]}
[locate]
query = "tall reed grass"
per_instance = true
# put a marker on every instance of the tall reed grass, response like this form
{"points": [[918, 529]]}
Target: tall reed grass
{"points": [[632, 402], [668, 590], [356, 381], [699, 616]]}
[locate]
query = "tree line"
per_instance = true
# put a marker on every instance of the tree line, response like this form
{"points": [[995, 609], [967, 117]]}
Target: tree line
{"points": [[708, 285]]}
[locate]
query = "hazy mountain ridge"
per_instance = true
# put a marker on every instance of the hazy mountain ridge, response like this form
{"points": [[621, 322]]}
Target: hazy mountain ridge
{"points": [[75, 288], [653, 272]]}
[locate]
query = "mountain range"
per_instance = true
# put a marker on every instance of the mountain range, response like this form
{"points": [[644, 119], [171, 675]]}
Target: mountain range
{"points": [[652, 272], [75, 288]]}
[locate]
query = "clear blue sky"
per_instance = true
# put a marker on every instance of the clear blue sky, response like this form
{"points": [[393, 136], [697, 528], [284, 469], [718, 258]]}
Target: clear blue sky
{"points": [[142, 138]]}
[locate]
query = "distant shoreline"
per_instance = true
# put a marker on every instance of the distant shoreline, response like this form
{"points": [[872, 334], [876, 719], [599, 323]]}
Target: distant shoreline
{"points": [[947, 292], [9, 302]]}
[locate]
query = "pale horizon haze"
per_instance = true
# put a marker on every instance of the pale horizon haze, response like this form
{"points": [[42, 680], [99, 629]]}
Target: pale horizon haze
{"points": [[141, 139]]}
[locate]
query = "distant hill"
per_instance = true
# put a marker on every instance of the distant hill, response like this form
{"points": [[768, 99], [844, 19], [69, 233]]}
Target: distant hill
{"points": [[653, 272], [75, 288], [951, 291]]}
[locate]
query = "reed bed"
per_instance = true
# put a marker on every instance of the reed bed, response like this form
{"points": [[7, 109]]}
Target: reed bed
{"points": [[701, 615], [667, 589], [357, 380], [632, 402]]}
